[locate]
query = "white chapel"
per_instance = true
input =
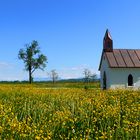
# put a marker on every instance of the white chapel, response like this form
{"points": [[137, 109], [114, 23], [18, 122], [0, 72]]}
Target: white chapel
{"points": [[119, 68]]}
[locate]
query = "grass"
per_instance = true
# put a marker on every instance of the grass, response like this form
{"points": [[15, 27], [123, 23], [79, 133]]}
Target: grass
{"points": [[37, 112], [59, 84]]}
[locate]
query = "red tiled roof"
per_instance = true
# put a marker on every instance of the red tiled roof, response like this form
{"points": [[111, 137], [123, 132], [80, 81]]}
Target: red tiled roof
{"points": [[123, 58]]}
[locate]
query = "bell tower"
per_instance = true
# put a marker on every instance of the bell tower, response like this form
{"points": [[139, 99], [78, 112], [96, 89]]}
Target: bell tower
{"points": [[107, 42]]}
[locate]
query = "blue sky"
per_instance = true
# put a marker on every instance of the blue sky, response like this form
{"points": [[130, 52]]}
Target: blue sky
{"points": [[69, 32]]}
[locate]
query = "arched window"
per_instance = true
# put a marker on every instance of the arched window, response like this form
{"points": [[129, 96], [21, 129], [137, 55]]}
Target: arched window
{"points": [[104, 81], [130, 80]]}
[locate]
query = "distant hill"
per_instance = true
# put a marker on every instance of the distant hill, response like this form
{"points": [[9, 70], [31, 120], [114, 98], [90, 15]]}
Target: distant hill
{"points": [[65, 80], [44, 79], [37, 79]]}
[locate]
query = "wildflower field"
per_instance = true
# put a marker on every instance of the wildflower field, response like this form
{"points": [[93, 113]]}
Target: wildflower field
{"points": [[29, 112]]}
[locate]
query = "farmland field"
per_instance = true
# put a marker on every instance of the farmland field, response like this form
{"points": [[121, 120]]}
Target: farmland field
{"points": [[74, 112]]}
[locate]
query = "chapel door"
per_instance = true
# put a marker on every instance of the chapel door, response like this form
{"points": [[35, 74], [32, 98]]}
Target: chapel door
{"points": [[130, 80], [104, 81]]}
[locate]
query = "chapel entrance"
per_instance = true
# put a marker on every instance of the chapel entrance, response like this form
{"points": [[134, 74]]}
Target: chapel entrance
{"points": [[104, 81], [130, 80]]}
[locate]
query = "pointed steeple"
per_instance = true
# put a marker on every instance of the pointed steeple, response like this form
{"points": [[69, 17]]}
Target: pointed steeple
{"points": [[107, 42]]}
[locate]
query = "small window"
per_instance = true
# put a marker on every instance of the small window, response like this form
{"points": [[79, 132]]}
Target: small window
{"points": [[130, 80]]}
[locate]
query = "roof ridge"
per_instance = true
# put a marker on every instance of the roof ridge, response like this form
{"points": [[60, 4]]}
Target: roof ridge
{"points": [[126, 49]]}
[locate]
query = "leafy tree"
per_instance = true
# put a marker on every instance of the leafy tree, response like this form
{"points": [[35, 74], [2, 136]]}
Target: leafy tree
{"points": [[32, 58]]}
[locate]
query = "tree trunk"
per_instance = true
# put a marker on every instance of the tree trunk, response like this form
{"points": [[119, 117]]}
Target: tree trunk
{"points": [[53, 80], [30, 75]]}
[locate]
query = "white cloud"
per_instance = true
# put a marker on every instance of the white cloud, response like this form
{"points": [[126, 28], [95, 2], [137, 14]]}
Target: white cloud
{"points": [[40, 74], [5, 65], [79, 67], [75, 72], [10, 72], [69, 75]]}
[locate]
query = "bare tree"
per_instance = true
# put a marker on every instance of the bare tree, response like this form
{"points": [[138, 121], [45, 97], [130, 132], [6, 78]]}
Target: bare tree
{"points": [[54, 75], [88, 75], [93, 77]]}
